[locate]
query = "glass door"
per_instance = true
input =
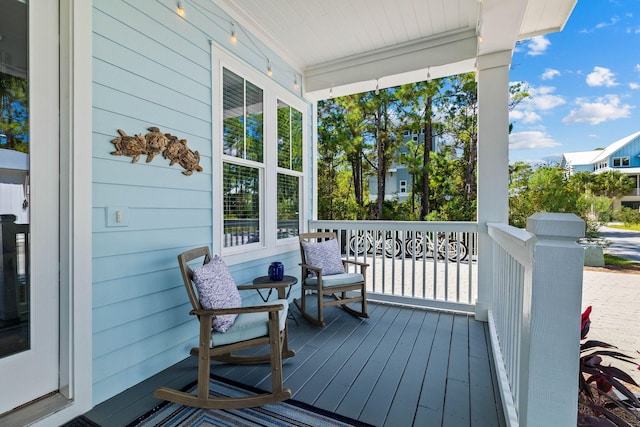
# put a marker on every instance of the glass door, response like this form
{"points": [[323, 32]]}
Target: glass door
{"points": [[29, 153]]}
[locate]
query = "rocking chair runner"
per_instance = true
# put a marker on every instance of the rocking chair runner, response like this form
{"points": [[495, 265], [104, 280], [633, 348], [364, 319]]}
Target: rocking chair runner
{"points": [[335, 284], [255, 326]]}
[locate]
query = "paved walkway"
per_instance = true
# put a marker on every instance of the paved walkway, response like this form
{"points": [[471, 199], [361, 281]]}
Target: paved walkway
{"points": [[623, 243], [615, 318]]}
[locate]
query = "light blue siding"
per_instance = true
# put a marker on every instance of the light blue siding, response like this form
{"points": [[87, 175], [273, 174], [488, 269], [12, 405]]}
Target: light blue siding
{"points": [[153, 68], [631, 150]]}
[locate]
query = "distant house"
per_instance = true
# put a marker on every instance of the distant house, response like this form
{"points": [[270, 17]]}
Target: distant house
{"points": [[622, 155], [14, 184], [399, 181]]}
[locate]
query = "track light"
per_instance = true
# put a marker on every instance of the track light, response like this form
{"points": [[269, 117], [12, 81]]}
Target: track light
{"points": [[180, 9]]}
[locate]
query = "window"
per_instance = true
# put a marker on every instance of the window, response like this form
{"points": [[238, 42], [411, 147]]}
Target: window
{"points": [[403, 186], [243, 136], [621, 162], [258, 158], [290, 168]]}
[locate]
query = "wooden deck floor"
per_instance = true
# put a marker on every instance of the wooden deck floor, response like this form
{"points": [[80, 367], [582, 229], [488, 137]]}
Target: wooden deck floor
{"points": [[401, 367]]}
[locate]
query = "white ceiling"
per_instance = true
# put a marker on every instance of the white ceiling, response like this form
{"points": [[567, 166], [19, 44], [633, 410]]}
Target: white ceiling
{"points": [[352, 45]]}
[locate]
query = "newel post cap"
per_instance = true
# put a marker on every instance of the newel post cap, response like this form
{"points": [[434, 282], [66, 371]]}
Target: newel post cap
{"points": [[556, 225]]}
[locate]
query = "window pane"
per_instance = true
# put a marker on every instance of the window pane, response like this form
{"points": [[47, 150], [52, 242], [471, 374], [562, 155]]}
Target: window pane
{"points": [[296, 140], [289, 137], [288, 206], [284, 135], [242, 106], [233, 114], [255, 118], [241, 199]]}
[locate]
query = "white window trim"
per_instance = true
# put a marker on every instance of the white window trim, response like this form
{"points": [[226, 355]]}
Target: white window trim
{"points": [[621, 159], [269, 243]]}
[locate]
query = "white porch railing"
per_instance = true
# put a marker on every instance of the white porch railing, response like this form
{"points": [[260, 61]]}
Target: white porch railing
{"points": [[535, 318], [431, 264]]}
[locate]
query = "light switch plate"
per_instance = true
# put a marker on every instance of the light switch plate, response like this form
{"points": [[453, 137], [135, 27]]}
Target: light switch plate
{"points": [[117, 216]]}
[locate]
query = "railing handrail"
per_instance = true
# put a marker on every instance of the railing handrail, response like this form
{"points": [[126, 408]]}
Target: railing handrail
{"points": [[379, 225], [517, 242]]}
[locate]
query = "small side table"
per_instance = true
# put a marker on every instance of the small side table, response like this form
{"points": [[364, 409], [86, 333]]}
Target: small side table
{"points": [[280, 285]]}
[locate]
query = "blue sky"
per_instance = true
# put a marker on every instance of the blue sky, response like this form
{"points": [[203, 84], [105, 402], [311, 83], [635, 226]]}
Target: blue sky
{"points": [[584, 82]]}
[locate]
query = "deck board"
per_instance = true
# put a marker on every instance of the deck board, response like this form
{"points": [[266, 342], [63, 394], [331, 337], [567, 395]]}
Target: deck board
{"points": [[360, 390], [377, 405], [401, 367], [403, 408]]}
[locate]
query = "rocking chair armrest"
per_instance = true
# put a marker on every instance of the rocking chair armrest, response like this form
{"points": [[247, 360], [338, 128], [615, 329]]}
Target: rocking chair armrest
{"points": [[354, 262], [237, 310], [317, 270]]}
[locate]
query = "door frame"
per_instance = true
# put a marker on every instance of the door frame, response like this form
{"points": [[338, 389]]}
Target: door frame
{"points": [[74, 396]]}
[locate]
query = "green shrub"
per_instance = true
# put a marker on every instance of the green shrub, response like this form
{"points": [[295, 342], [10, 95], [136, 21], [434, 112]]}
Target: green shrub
{"points": [[628, 216]]}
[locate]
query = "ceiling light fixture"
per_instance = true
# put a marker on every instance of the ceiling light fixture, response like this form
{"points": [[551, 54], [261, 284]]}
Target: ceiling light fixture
{"points": [[296, 85], [180, 9], [428, 74], [377, 88], [269, 69]]}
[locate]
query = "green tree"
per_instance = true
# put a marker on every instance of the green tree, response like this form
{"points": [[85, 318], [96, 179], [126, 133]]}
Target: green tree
{"points": [[416, 114], [14, 112], [611, 184], [543, 189], [378, 106], [459, 106]]}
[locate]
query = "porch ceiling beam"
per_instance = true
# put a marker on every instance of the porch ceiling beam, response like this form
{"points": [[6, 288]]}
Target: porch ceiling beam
{"points": [[447, 54]]}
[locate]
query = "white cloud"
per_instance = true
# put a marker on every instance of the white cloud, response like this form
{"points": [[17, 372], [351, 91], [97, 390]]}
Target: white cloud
{"points": [[603, 109], [538, 45], [531, 140], [526, 116], [614, 20], [634, 86], [542, 98], [637, 68], [549, 74], [601, 77]]}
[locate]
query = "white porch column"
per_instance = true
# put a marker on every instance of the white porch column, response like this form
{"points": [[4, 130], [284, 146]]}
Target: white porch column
{"points": [[493, 164]]}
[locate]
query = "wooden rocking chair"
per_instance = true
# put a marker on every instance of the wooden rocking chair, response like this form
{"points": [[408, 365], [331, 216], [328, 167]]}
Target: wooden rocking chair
{"points": [[335, 285], [255, 326]]}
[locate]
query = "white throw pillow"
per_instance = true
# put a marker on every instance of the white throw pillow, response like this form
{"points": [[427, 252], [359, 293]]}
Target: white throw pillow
{"points": [[217, 289], [325, 255]]}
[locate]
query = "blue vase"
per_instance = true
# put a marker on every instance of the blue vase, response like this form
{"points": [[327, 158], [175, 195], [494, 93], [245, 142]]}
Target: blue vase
{"points": [[276, 271]]}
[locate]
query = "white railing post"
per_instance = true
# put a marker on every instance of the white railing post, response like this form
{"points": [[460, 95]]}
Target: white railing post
{"points": [[551, 323]]}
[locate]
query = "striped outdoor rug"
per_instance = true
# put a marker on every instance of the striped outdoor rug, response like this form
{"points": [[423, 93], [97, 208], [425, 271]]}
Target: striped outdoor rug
{"points": [[286, 413]]}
